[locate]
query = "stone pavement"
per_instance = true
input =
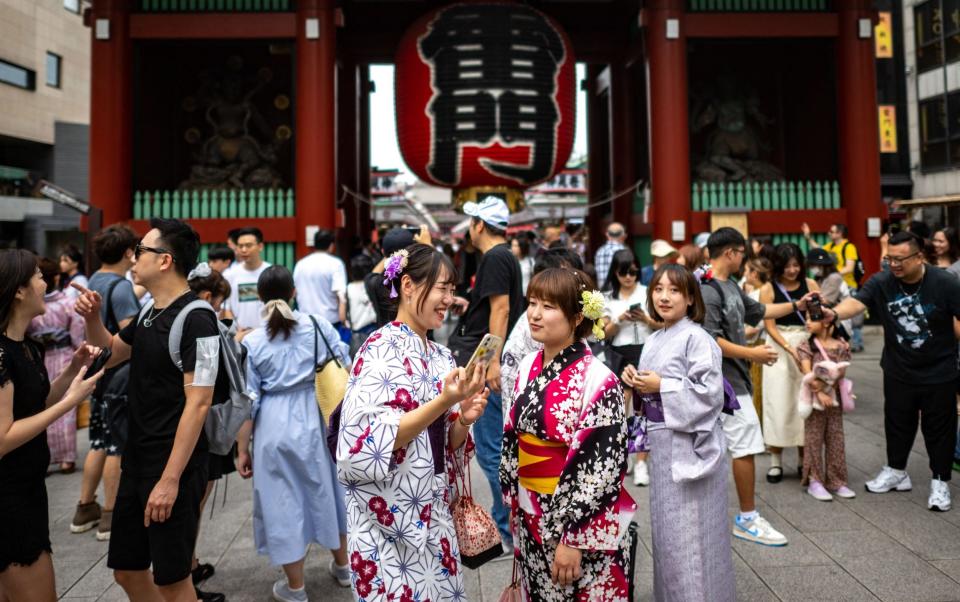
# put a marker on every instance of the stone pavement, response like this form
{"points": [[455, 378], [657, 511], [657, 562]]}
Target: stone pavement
{"points": [[875, 547]]}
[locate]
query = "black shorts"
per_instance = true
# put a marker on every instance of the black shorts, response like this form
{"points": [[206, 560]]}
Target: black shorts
{"points": [[168, 546], [25, 535], [221, 465]]}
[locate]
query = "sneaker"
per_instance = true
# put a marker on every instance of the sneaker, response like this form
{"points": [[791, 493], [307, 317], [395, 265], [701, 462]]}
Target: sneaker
{"points": [[641, 475], [845, 492], [86, 517], [283, 593], [939, 499], [759, 531], [203, 596], [340, 573], [819, 492], [888, 479], [103, 531]]}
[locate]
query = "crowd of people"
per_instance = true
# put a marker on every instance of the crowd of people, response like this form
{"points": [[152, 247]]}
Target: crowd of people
{"points": [[680, 372]]}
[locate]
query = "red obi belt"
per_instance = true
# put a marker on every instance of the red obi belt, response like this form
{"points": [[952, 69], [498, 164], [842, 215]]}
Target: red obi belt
{"points": [[541, 463]]}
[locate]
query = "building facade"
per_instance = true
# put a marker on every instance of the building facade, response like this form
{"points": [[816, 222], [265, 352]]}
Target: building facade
{"points": [[45, 95]]}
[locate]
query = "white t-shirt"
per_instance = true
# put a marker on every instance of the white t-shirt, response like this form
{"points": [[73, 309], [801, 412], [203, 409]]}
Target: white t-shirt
{"points": [[362, 313], [630, 333], [321, 281], [244, 303]]}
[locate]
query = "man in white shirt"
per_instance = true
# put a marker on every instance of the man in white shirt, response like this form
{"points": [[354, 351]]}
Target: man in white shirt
{"points": [[321, 281], [244, 303]]}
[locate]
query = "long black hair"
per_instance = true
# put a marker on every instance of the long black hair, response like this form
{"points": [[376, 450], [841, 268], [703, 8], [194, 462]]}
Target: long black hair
{"points": [[621, 262], [17, 268], [276, 282]]}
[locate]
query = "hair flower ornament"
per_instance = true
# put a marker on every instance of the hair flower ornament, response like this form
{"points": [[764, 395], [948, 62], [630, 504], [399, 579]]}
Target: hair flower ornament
{"points": [[593, 304], [395, 266]]}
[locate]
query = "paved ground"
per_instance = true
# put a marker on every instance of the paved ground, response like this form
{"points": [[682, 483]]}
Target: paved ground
{"points": [[886, 547]]}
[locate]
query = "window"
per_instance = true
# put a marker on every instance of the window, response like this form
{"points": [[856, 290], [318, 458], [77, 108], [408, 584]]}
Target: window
{"points": [[53, 69], [933, 133], [928, 28], [18, 76], [72, 5]]}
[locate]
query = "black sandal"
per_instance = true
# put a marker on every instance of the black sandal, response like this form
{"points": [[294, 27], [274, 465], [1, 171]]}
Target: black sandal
{"points": [[774, 474], [202, 573]]}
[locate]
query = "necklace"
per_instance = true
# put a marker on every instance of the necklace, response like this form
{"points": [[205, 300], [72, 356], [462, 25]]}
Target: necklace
{"points": [[148, 321], [919, 285]]}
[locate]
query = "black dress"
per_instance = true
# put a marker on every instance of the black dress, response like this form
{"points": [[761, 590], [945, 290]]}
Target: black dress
{"points": [[23, 492]]}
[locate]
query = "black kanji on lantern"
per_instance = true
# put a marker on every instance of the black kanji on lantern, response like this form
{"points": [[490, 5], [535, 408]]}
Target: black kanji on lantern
{"points": [[494, 71]]}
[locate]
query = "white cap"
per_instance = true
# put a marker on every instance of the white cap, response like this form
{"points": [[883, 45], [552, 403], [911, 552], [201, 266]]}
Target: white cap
{"points": [[661, 248], [491, 210], [701, 239]]}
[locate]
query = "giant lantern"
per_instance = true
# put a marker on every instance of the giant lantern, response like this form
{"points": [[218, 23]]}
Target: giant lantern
{"points": [[485, 99]]}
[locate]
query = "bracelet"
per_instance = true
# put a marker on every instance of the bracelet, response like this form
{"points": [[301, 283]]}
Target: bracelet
{"points": [[793, 304], [462, 423]]}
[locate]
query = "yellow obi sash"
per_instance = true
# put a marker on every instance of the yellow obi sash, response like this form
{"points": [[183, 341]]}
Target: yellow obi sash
{"points": [[541, 463]]}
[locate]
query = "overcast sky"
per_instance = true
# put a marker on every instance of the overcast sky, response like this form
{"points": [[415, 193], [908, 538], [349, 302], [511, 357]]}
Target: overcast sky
{"points": [[384, 151]]}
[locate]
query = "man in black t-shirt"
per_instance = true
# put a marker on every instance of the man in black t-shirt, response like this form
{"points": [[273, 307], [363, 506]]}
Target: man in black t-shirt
{"points": [[495, 304], [164, 466], [917, 304]]}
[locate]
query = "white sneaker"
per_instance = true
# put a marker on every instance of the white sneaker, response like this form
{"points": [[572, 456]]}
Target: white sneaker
{"points": [[759, 531], [641, 475], [889, 479], [283, 593], [939, 499], [340, 573]]}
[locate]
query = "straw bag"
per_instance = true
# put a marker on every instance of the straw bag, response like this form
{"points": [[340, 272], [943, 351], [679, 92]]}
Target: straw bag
{"points": [[512, 591], [477, 533], [330, 382]]}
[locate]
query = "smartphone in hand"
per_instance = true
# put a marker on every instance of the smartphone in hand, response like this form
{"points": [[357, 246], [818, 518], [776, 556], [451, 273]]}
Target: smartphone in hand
{"points": [[485, 351], [98, 363], [815, 308]]}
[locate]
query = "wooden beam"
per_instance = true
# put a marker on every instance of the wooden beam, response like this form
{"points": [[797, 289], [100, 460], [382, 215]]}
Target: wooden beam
{"points": [[276, 229], [754, 25], [213, 26]]}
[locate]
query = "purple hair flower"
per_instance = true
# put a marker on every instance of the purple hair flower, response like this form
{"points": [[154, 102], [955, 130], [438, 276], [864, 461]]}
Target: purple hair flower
{"points": [[394, 267]]}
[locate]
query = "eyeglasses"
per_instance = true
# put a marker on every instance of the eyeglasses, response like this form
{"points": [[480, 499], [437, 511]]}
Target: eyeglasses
{"points": [[629, 272], [140, 249], [899, 260], [740, 250]]}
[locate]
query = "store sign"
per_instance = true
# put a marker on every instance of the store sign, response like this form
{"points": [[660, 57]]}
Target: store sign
{"points": [[485, 96], [883, 34], [63, 197], [888, 128]]}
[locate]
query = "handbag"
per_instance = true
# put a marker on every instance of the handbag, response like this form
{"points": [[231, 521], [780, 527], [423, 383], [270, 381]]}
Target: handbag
{"points": [[330, 380], [512, 592], [477, 533]]}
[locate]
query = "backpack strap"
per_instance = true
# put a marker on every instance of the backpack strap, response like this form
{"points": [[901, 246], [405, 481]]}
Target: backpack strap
{"points": [[144, 310], [176, 330], [109, 312]]}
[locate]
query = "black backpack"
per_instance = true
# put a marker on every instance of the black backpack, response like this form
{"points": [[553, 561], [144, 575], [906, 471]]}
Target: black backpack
{"points": [[858, 271]]}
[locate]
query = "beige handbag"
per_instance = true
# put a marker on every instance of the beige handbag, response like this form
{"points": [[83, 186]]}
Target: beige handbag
{"points": [[330, 381]]}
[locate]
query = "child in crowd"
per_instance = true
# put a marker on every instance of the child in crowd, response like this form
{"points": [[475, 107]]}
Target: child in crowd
{"points": [[360, 311], [221, 257], [824, 428]]}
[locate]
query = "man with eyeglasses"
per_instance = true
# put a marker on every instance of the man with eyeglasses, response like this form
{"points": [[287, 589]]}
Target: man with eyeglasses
{"points": [[917, 305], [847, 258]]}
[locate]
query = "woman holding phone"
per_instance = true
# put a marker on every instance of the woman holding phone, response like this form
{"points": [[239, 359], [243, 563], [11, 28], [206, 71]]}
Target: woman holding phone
{"points": [[405, 421], [627, 328], [29, 403]]}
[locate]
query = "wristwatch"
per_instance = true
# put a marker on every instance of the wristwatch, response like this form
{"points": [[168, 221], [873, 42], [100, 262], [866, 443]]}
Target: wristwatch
{"points": [[794, 305]]}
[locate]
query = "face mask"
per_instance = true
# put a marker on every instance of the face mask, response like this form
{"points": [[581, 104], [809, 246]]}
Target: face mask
{"points": [[816, 271]]}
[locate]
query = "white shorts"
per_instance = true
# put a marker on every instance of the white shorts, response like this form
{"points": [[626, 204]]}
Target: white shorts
{"points": [[744, 437]]}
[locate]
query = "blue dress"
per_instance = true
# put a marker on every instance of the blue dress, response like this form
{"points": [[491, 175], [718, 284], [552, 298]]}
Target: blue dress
{"points": [[294, 478]]}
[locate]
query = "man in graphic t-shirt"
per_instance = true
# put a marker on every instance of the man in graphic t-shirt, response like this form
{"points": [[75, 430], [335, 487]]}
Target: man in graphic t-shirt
{"points": [[917, 305], [495, 304], [244, 303], [164, 466]]}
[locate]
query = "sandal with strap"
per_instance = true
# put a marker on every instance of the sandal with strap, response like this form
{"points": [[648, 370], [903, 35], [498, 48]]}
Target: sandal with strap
{"points": [[774, 474], [202, 573]]}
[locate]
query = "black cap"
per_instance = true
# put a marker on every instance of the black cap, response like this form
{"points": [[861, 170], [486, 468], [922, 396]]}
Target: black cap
{"points": [[820, 257], [396, 239]]}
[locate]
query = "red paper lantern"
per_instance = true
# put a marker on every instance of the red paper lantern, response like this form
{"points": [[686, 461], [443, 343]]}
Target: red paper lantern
{"points": [[485, 96]]}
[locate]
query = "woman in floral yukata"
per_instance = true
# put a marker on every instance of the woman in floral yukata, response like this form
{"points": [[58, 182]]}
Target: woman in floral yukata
{"points": [[565, 452], [405, 420], [681, 384]]}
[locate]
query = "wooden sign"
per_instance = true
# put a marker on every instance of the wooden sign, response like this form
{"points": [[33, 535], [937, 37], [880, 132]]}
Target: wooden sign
{"points": [[888, 128], [883, 34]]}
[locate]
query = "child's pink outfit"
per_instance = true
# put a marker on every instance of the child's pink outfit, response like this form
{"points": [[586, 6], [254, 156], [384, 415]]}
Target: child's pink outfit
{"points": [[824, 429]]}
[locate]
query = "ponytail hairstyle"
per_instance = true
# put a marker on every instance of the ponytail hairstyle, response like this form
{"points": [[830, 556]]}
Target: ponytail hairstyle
{"points": [[275, 288], [424, 265], [17, 267], [203, 278]]}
